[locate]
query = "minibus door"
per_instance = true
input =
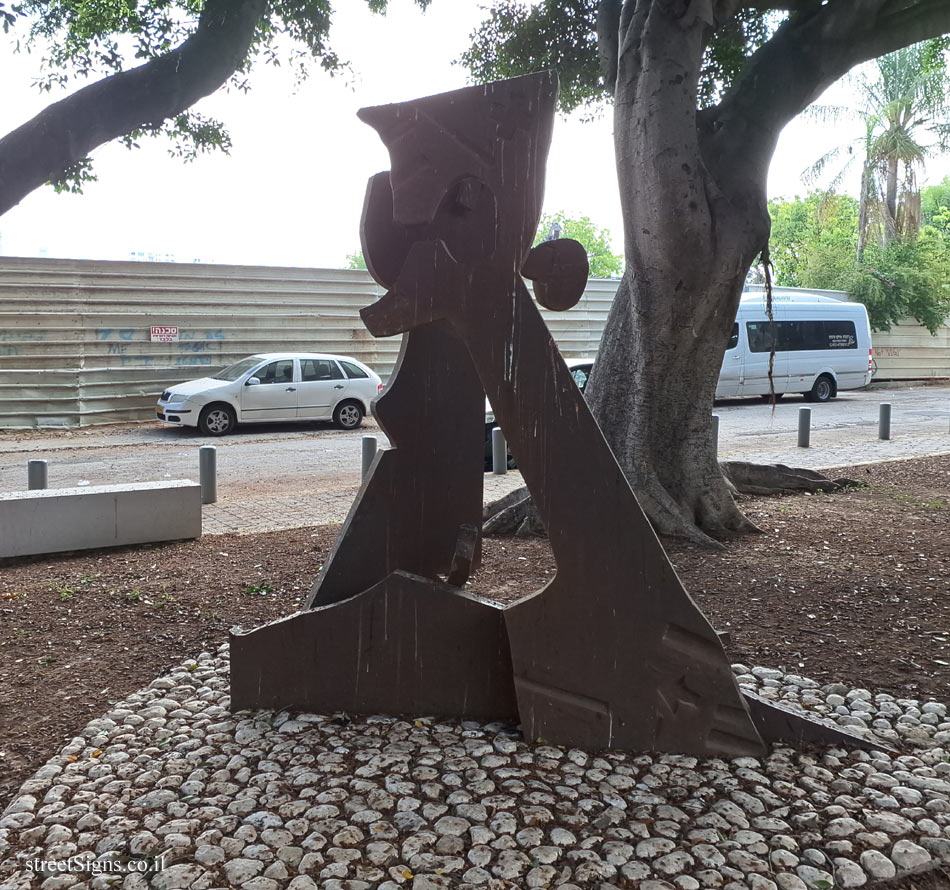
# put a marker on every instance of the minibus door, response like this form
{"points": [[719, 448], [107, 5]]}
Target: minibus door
{"points": [[731, 367]]}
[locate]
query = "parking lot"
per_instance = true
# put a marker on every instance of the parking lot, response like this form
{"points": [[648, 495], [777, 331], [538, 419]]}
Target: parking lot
{"points": [[286, 475]]}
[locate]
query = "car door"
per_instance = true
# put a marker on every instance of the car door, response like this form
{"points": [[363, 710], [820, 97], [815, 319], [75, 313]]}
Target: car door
{"points": [[731, 370], [361, 382], [322, 385], [275, 397]]}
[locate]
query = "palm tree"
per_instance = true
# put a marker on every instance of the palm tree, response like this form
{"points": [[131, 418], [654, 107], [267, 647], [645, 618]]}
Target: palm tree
{"points": [[905, 109]]}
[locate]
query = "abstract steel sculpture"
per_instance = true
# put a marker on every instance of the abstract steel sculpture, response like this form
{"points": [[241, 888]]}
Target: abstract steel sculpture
{"points": [[612, 652]]}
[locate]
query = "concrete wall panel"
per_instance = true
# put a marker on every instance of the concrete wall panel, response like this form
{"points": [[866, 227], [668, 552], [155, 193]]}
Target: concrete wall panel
{"points": [[57, 519]]}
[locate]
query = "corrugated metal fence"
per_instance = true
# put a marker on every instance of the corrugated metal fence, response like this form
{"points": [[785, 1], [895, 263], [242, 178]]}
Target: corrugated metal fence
{"points": [[75, 343]]}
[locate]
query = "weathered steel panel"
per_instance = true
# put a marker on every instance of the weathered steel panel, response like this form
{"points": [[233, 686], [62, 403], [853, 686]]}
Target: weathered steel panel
{"points": [[407, 645]]}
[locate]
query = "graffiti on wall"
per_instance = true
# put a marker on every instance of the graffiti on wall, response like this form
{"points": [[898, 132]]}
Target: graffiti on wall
{"points": [[9, 339], [194, 348]]}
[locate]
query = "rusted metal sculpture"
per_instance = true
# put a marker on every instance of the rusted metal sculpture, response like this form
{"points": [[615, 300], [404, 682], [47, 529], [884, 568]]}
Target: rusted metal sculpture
{"points": [[423, 494], [613, 652]]}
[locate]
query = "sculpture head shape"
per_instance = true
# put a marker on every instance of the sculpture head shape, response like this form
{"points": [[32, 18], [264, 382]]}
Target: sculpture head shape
{"points": [[464, 193], [496, 135]]}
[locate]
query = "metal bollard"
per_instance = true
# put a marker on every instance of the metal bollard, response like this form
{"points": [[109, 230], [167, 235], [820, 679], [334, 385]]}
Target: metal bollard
{"points": [[499, 452], [715, 431], [804, 427], [370, 447], [36, 474], [884, 421], [208, 473]]}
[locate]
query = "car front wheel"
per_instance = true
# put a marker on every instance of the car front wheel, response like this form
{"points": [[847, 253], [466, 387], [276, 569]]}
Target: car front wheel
{"points": [[348, 415], [217, 420]]}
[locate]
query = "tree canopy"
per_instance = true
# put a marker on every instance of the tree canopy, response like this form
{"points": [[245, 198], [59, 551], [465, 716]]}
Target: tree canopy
{"points": [[519, 37], [144, 65], [813, 240], [904, 279], [933, 200], [903, 105], [355, 260], [813, 245]]}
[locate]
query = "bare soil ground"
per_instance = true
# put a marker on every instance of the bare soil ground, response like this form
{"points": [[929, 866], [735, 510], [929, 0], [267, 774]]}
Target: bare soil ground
{"points": [[852, 586]]}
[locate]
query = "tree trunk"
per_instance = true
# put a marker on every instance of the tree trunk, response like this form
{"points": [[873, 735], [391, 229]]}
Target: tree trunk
{"points": [[692, 228], [863, 212], [890, 202]]}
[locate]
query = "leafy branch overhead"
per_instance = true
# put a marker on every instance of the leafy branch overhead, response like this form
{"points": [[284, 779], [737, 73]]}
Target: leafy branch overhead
{"points": [[520, 37], [140, 67]]}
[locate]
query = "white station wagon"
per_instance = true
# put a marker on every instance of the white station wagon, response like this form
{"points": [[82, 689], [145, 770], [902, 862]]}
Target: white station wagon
{"points": [[274, 386]]}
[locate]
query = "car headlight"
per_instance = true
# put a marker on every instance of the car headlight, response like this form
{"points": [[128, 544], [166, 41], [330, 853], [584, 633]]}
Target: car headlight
{"points": [[175, 397]]}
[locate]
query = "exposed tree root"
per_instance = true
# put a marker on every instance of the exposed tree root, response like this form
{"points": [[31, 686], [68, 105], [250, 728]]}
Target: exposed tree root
{"points": [[748, 478], [516, 514]]}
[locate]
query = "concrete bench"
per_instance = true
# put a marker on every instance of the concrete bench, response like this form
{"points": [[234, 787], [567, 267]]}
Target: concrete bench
{"points": [[56, 519]]}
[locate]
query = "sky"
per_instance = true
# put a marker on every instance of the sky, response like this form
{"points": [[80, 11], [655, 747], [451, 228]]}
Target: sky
{"points": [[291, 190]]}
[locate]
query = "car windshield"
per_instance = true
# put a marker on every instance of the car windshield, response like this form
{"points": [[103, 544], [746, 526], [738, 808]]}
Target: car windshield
{"points": [[232, 372]]}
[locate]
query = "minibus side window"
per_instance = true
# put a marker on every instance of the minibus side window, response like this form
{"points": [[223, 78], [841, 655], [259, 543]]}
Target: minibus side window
{"points": [[799, 336], [761, 335], [792, 336], [839, 335], [733, 338]]}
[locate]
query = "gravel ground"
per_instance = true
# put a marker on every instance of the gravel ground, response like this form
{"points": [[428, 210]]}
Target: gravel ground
{"points": [[170, 780]]}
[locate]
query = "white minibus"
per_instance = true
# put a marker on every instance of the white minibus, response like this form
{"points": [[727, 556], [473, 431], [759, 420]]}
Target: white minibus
{"points": [[821, 345]]}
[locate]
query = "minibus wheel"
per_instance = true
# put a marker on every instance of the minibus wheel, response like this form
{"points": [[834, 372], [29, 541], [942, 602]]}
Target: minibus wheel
{"points": [[822, 391]]}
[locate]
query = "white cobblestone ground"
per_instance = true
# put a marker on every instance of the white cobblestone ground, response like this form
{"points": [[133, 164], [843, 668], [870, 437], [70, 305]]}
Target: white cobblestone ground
{"points": [[264, 801]]}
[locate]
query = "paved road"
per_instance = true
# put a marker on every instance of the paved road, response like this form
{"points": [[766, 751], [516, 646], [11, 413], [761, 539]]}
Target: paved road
{"points": [[844, 431], [286, 476]]}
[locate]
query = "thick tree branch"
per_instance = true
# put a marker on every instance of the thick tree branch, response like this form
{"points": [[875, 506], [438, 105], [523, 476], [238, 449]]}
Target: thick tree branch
{"points": [[608, 39], [726, 9], [66, 131], [816, 46]]}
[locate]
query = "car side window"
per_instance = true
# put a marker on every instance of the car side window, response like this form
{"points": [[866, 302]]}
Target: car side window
{"points": [[354, 372], [581, 375], [277, 372], [319, 369]]}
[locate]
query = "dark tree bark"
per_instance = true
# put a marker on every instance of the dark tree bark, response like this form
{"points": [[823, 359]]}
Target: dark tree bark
{"points": [[863, 212], [66, 131], [693, 194]]}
